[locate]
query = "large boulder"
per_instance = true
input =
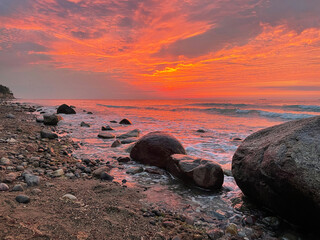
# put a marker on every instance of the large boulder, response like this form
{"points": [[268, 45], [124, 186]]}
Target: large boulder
{"points": [[155, 149], [51, 119], [201, 172], [64, 108], [280, 168]]}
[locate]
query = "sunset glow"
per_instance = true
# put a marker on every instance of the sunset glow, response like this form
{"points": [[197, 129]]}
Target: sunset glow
{"points": [[160, 49]]}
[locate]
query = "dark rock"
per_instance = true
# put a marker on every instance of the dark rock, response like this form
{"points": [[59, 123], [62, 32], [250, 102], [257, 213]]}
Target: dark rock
{"points": [[113, 121], [31, 180], [123, 159], [11, 116], [155, 149], [64, 108], [97, 173], [125, 122], [84, 124], [201, 172], [201, 131], [236, 139], [17, 188], [22, 199], [51, 119], [279, 167], [106, 128], [132, 133], [106, 176], [128, 141], [116, 143], [106, 135], [48, 134], [39, 119], [89, 113]]}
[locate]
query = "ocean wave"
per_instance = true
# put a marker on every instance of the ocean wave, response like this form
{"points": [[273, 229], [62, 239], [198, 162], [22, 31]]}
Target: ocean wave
{"points": [[117, 106], [303, 108], [219, 104]]}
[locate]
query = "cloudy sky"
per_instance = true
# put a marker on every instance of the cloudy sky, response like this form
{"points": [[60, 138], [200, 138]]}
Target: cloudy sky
{"points": [[160, 49]]}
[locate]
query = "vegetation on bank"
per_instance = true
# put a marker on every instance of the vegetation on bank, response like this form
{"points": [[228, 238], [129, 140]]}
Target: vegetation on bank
{"points": [[5, 92]]}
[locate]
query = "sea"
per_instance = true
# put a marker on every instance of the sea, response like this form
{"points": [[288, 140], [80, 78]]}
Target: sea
{"points": [[223, 124]]}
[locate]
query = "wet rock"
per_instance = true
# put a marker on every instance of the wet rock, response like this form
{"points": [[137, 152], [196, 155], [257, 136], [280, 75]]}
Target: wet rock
{"points": [[64, 108], [58, 173], [132, 133], [48, 134], [201, 172], [113, 121], [106, 176], [279, 168], [128, 141], [215, 234], [39, 119], [123, 159], [31, 180], [51, 119], [236, 139], [5, 161], [17, 188], [106, 128], [201, 131], [22, 199], [70, 197], [106, 135], [3, 187], [89, 113], [84, 124], [155, 171], [125, 122], [232, 229], [116, 143], [134, 170], [155, 148], [97, 173], [129, 148]]}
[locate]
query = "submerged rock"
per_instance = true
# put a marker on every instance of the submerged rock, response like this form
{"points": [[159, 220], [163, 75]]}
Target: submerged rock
{"points": [[64, 108], [155, 149], [125, 122], [116, 143], [48, 134], [84, 124], [106, 135], [201, 172], [279, 167], [132, 133], [51, 119], [106, 128]]}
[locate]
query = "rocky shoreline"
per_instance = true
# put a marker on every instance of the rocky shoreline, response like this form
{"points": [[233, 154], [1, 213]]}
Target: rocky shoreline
{"points": [[48, 194]]}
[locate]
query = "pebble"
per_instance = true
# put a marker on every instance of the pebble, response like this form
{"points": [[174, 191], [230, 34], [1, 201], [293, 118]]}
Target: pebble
{"points": [[20, 168], [32, 180], [70, 197], [57, 173], [168, 224], [36, 191], [106, 176], [17, 188], [22, 199], [5, 161], [214, 234], [10, 115], [123, 159], [70, 175], [4, 187], [232, 229], [134, 170]]}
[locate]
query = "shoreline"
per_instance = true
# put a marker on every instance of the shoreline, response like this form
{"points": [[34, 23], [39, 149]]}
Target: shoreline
{"points": [[122, 219], [101, 210]]}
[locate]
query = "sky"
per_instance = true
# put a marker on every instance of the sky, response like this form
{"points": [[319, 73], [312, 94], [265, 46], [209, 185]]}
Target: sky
{"points": [[151, 49]]}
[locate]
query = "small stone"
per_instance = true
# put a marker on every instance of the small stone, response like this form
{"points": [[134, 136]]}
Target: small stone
{"points": [[48, 134], [3, 187], [89, 113], [5, 161], [201, 131], [10, 177], [69, 196], [106, 176], [236, 139], [36, 191], [39, 119], [232, 229], [116, 143], [168, 224], [58, 173], [31, 180], [70, 175], [11, 116], [97, 173], [84, 124], [113, 121], [215, 234], [134, 170], [20, 168], [106, 128], [125, 122], [17, 188], [123, 159], [22, 199], [106, 135]]}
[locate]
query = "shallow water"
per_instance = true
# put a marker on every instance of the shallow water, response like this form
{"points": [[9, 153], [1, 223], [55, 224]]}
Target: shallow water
{"points": [[222, 121]]}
